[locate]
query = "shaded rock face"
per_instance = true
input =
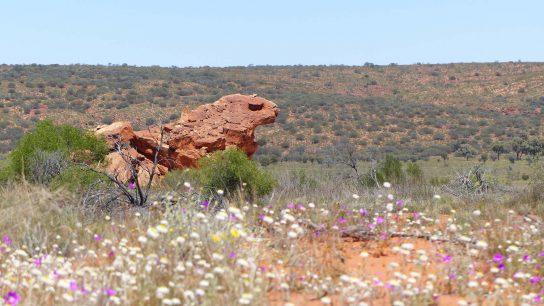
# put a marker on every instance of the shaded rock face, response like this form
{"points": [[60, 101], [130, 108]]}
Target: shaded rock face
{"points": [[229, 122]]}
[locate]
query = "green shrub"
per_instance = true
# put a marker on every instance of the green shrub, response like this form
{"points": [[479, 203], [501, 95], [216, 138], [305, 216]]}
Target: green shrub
{"points": [[77, 178], [77, 144], [391, 170], [229, 170], [414, 172]]}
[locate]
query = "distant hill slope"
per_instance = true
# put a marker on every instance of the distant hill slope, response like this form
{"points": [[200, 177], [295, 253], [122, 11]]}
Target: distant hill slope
{"points": [[414, 110]]}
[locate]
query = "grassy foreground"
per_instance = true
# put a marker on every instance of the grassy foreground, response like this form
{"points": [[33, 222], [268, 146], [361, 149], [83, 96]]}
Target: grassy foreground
{"points": [[314, 241]]}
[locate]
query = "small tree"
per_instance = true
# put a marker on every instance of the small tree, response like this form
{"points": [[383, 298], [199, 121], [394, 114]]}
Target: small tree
{"points": [[517, 146], [465, 150], [499, 148]]}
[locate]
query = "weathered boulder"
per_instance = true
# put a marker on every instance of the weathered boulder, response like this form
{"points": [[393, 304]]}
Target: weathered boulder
{"points": [[229, 122], [117, 132]]}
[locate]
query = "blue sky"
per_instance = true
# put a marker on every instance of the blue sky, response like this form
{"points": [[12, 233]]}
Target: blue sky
{"points": [[229, 33]]}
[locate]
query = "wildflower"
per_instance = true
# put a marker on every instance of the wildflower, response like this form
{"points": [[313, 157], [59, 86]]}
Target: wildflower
{"points": [[342, 220], [326, 300], [481, 244], [477, 212], [379, 220], [12, 298], [153, 233], [220, 192], [205, 204], [364, 254], [161, 292], [268, 219], [355, 196], [234, 233], [97, 237], [535, 279], [110, 292], [131, 184], [446, 258], [387, 185], [162, 228], [73, 285], [399, 203], [437, 197], [498, 258], [7, 240], [407, 246]]}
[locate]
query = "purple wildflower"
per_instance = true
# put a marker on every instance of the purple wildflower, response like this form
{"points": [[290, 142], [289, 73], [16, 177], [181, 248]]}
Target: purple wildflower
{"points": [[291, 206], [300, 206], [7, 240], [205, 204], [12, 298], [97, 237], [379, 220], [400, 203], [131, 185], [110, 291], [446, 258], [342, 220], [498, 258], [73, 286], [232, 255], [363, 212], [526, 257], [535, 279], [415, 215], [453, 276]]}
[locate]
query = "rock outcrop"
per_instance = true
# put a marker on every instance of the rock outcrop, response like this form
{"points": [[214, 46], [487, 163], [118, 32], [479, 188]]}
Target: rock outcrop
{"points": [[229, 122]]}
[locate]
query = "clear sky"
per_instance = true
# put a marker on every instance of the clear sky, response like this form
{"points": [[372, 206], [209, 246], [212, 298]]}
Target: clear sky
{"points": [[278, 32]]}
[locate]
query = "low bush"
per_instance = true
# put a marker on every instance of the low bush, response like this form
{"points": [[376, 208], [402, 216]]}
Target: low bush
{"points": [[231, 170], [62, 140]]}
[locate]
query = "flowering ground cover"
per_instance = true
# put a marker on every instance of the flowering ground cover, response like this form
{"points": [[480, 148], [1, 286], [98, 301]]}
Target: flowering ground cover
{"points": [[360, 251]]}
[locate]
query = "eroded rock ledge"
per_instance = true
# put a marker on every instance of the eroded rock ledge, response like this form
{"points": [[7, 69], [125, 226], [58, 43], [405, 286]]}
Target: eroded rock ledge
{"points": [[230, 121]]}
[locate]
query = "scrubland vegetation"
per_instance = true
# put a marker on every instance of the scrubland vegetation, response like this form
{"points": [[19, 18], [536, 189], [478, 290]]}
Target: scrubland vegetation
{"points": [[400, 196], [237, 233], [412, 112]]}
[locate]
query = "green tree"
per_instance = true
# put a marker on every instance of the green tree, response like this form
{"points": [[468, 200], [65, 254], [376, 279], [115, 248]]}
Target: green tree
{"points": [[517, 146], [465, 150], [499, 148]]}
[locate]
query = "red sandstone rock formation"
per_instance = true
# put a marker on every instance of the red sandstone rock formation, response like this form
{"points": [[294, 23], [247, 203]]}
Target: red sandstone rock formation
{"points": [[229, 122]]}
